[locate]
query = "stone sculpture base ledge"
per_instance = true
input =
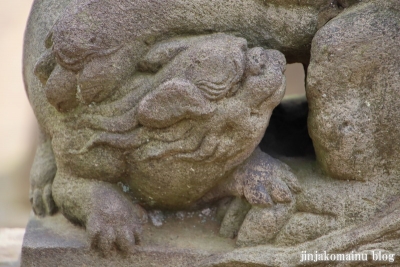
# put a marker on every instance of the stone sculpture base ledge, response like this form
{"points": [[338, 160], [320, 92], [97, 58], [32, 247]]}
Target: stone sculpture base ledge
{"points": [[54, 241]]}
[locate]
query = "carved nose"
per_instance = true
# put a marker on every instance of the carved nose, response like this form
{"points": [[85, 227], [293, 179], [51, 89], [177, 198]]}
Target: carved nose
{"points": [[61, 89], [260, 60], [257, 61], [277, 58], [45, 66]]}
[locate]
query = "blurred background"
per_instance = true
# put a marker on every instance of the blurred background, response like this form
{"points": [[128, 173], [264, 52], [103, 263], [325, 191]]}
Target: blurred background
{"points": [[18, 129], [18, 132]]}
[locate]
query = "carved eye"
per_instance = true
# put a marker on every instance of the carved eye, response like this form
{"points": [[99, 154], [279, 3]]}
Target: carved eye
{"points": [[102, 76], [256, 61], [216, 72], [215, 89]]}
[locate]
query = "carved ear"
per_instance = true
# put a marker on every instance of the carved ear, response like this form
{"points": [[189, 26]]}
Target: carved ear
{"points": [[171, 102], [161, 54]]}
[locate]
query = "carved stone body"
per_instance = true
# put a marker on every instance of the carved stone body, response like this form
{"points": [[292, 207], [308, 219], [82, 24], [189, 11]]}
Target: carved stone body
{"points": [[175, 119], [162, 104], [197, 118]]}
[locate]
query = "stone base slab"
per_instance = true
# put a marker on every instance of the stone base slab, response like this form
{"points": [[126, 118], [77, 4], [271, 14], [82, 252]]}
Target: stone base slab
{"points": [[54, 241]]}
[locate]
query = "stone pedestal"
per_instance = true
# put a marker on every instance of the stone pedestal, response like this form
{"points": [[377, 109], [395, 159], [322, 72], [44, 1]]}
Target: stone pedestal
{"points": [[53, 241]]}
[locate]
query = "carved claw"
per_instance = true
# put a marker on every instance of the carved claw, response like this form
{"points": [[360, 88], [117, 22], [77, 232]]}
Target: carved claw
{"points": [[269, 186], [41, 180], [262, 224], [42, 201], [267, 181], [115, 227], [108, 232]]}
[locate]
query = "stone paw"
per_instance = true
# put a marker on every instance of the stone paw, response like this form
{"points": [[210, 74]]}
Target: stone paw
{"points": [[267, 181], [116, 228], [41, 180], [270, 187], [261, 225], [42, 200]]}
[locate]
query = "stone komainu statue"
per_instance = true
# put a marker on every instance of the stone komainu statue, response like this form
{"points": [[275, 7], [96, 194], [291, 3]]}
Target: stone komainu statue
{"points": [[176, 119], [170, 99]]}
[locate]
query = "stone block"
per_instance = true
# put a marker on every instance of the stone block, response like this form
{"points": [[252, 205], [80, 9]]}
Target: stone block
{"points": [[54, 241]]}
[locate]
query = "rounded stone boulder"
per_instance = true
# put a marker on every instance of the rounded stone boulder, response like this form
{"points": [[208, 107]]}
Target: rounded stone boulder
{"points": [[353, 92]]}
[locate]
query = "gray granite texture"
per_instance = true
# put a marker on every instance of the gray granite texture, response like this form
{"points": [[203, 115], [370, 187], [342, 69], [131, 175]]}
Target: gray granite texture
{"points": [[151, 113], [352, 89], [53, 241]]}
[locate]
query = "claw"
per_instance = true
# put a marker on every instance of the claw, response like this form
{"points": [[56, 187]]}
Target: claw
{"points": [[267, 181], [126, 240], [280, 192], [292, 182], [138, 239], [257, 195], [41, 180], [48, 200], [234, 218], [38, 205], [106, 240], [93, 233], [110, 231]]}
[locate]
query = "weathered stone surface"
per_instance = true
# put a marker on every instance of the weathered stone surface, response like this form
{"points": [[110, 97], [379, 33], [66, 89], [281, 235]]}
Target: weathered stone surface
{"points": [[306, 226], [122, 99], [352, 89], [180, 242], [234, 217], [368, 237], [151, 106], [354, 205], [188, 239]]}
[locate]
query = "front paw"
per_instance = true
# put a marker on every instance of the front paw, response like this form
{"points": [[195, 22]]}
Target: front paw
{"points": [[267, 181], [261, 224], [41, 180], [115, 227], [270, 187], [42, 200]]}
